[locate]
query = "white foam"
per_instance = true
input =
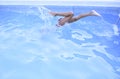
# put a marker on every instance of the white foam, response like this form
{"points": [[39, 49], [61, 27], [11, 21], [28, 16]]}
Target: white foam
{"points": [[116, 30]]}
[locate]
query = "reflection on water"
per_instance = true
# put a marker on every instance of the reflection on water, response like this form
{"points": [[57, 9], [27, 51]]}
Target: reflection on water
{"points": [[30, 43]]}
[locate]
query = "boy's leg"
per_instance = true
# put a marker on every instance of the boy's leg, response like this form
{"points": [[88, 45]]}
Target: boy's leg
{"points": [[65, 14], [91, 13]]}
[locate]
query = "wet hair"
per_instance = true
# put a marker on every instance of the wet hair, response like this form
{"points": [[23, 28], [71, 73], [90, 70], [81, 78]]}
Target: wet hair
{"points": [[59, 22], [59, 19]]}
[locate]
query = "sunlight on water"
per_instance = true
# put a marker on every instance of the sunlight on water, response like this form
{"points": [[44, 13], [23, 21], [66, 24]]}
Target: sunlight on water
{"points": [[31, 46]]}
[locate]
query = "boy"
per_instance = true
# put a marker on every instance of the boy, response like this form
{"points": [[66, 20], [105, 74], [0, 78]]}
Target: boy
{"points": [[68, 17]]}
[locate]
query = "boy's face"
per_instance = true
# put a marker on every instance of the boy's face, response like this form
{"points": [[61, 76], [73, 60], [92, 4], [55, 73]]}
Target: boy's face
{"points": [[61, 22]]}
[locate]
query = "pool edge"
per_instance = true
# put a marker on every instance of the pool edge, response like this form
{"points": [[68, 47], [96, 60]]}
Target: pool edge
{"points": [[64, 3]]}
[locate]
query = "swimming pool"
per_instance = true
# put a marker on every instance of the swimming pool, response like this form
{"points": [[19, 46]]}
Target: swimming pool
{"points": [[32, 47]]}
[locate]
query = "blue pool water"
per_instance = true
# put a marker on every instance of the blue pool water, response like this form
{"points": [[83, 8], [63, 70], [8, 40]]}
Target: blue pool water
{"points": [[32, 47]]}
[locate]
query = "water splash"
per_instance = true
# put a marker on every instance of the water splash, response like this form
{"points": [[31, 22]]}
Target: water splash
{"points": [[26, 45]]}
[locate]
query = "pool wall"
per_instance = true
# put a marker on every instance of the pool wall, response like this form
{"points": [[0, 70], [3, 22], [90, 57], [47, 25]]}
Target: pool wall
{"points": [[113, 3]]}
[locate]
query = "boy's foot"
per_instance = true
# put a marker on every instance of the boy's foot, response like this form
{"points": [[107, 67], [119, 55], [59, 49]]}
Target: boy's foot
{"points": [[53, 13], [94, 13]]}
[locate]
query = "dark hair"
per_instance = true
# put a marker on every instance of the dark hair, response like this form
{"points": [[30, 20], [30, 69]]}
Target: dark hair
{"points": [[59, 19]]}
